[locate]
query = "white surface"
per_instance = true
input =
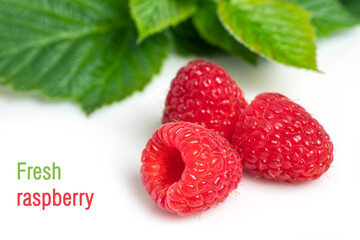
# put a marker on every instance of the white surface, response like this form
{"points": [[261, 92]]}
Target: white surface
{"points": [[101, 154]]}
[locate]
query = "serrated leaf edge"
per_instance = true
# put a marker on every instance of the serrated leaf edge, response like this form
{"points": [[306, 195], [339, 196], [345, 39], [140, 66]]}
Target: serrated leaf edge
{"points": [[143, 36], [264, 56]]}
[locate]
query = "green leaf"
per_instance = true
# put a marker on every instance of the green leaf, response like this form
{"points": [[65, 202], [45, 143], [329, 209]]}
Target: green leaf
{"points": [[81, 50], [153, 16], [210, 28], [188, 42], [353, 6], [275, 29], [327, 15]]}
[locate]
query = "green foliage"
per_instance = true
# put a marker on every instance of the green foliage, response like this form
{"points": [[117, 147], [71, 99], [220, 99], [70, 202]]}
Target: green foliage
{"points": [[96, 52], [275, 29], [187, 41], [210, 28], [353, 6], [327, 15], [153, 16], [80, 50]]}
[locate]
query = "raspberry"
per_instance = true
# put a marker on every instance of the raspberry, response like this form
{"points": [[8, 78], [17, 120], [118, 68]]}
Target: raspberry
{"points": [[279, 140], [187, 168], [202, 92]]}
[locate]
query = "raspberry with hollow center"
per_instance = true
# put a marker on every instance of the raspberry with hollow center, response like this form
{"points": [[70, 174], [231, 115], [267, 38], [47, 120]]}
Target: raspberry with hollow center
{"points": [[279, 140], [186, 168], [204, 93]]}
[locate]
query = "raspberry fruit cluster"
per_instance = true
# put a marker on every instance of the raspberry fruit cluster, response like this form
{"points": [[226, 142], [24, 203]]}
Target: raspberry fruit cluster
{"points": [[281, 141], [210, 134], [186, 168], [204, 93]]}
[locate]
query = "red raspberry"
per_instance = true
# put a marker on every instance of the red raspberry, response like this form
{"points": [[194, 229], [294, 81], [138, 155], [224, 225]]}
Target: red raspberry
{"points": [[202, 92], [187, 168], [279, 140]]}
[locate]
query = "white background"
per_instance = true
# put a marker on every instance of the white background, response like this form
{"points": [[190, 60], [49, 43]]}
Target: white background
{"points": [[101, 154]]}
